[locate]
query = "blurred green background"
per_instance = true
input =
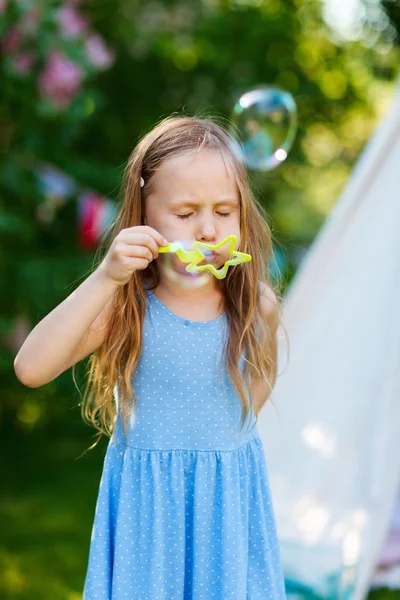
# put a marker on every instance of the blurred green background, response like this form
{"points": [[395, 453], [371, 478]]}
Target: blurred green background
{"points": [[80, 82]]}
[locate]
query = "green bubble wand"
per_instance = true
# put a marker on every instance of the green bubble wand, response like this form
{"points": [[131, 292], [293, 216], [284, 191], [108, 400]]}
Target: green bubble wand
{"points": [[196, 256]]}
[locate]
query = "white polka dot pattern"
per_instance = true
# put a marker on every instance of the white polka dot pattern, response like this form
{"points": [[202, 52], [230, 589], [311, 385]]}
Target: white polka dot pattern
{"points": [[184, 509]]}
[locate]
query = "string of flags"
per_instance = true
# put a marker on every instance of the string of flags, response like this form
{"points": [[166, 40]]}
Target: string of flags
{"points": [[95, 212]]}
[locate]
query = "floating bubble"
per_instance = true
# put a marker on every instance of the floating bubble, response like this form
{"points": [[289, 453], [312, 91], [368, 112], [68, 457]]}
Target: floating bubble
{"points": [[266, 120]]}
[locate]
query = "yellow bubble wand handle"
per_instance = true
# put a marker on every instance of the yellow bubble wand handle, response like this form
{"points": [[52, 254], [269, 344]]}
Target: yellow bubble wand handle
{"points": [[194, 257]]}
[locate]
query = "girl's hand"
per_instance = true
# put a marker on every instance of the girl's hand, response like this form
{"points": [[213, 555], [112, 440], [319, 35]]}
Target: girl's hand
{"points": [[132, 250]]}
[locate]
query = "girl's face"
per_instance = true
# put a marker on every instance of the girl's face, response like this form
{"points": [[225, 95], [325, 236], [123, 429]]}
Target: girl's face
{"points": [[194, 197]]}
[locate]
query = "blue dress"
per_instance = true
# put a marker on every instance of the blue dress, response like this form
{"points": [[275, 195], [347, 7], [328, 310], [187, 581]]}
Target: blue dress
{"points": [[184, 510]]}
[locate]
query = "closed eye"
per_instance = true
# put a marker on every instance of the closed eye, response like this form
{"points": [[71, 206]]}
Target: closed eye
{"points": [[189, 214]]}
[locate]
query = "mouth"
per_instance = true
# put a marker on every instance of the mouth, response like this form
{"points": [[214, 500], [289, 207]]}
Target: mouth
{"points": [[206, 261], [209, 258]]}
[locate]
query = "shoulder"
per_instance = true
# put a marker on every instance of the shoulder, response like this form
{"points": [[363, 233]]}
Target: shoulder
{"points": [[269, 304]]}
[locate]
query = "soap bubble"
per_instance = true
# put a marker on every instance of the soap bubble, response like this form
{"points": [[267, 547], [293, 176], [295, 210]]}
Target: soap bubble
{"points": [[266, 120]]}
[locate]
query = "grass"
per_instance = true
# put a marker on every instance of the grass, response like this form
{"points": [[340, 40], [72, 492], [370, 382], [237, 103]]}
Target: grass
{"points": [[47, 506]]}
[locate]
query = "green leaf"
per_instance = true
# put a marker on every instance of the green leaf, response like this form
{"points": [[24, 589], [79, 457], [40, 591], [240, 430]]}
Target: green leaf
{"points": [[10, 223]]}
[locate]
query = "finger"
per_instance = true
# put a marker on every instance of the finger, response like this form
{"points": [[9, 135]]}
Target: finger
{"points": [[142, 239], [141, 263], [137, 251], [159, 239]]}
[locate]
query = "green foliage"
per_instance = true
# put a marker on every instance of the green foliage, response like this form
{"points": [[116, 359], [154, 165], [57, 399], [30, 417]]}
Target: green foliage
{"points": [[47, 512], [192, 56]]}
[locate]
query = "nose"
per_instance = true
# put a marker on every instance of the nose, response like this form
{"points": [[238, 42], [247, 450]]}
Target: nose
{"points": [[206, 231]]}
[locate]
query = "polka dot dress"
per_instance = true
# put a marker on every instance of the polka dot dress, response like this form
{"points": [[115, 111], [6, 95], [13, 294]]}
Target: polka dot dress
{"points": [[184, 510]]}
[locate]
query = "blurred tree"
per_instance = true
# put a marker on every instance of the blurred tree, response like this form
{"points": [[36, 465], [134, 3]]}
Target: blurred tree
{"points": [[82, 81]]}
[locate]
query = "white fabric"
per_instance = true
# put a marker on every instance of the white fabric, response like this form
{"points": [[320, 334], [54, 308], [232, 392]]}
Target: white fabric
{"points": [[331, 435], [387, 573]]}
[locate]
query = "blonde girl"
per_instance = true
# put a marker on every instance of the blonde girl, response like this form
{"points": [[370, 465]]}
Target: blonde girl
{"points": [[180, 367]]}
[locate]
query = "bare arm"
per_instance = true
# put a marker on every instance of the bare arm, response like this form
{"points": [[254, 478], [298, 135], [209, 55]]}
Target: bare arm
{"points": [[60, 339], [77, 326], [260, 390]]}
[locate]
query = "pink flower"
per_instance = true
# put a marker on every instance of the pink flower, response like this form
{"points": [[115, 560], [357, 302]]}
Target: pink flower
{"points": [[25, 30], [30, 22], [3, 6], [12, 40], [60, 80], [23, 62], [70, 22], [97, 52]]}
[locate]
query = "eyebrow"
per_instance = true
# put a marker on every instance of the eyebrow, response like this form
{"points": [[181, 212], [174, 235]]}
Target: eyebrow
{"points": [[225, 201]]}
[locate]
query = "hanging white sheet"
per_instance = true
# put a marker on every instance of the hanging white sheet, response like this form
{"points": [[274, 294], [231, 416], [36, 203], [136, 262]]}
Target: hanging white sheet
{"points": [[332, 433]]}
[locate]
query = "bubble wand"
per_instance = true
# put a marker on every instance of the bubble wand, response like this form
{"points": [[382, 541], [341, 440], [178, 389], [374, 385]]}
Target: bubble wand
{"points": [[194, 257]]}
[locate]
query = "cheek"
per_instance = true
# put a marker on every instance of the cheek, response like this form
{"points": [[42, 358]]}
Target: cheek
{"points": [[233, 227], [163, 223], [152, 216], [175, 230]]}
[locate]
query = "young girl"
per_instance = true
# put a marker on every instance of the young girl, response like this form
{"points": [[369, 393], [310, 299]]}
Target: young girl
{"points": [[180, 368]]}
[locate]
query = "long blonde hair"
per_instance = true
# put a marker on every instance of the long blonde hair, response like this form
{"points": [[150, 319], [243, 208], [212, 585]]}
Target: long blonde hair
{"points": [[116, 360]]}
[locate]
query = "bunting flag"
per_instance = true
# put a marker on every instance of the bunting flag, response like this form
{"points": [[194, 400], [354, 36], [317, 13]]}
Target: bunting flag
{"points": [[57, 188], [95, 212]]}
